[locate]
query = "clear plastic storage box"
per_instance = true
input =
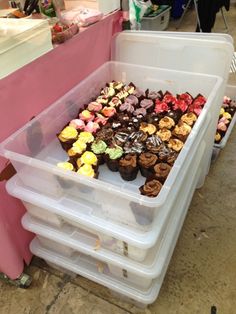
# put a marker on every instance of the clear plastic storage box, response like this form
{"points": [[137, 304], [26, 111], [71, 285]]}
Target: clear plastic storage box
{"points": [[230, 91], [35, 150], [139, 282], [22, 41]]}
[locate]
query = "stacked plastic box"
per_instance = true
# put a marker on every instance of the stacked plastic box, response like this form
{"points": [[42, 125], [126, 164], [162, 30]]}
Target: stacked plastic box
{"points": [[103, 6], [22, 41], [230, 91], [104, 229]]}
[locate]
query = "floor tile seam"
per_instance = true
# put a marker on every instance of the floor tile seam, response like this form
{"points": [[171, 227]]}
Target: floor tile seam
{"points": [[65, 279], [102, 298], [76, 284]]}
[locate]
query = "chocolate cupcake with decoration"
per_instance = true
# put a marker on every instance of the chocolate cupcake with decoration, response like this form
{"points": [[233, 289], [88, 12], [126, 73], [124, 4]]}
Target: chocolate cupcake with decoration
{"points": [[151, 187], [146, 163], [99, 147], [161, 171], [128, 167], [112, 156]]}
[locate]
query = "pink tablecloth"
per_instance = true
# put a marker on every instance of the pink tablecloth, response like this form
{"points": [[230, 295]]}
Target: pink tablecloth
{"points": [[27, 92]]}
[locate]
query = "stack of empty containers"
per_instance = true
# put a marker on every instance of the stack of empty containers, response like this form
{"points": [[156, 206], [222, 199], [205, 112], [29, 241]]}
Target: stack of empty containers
{"points": [[104, 229]]}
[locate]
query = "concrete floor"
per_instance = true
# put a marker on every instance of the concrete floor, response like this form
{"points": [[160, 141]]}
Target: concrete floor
{"points": [[202, 270]]}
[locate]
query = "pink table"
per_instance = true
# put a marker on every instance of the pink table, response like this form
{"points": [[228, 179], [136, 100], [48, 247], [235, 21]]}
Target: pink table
{"points": [[27, 92]]}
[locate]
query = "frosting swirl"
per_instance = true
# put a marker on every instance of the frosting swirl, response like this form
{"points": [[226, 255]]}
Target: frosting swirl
{"points": [[87, 170], [147, 160], [175, 144], [114, 153], [151, 188], [68, 133], [89, 158], [99, 147], [166, 122], [86, 137], [129, 160]]}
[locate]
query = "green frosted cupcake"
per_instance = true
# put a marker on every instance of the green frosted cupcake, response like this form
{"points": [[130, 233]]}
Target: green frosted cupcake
{"points": [[112, 157], [99, 147]]}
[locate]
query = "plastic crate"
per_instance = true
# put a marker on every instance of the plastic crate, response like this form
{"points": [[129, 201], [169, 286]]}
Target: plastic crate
{"points": [[34, 150], [70, 242], [195, 53], [230, 91], [112, 275], [22, 41], [156, 23], [122, 240]]}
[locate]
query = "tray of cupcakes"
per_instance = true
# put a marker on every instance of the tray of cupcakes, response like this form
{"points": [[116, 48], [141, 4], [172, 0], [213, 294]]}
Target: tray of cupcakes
{"points": [[226, 122], [123, 141]]}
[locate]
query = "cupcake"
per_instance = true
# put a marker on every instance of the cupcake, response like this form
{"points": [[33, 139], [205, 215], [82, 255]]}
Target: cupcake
{"points": [[164, 134], [92, 127], [161, 171], [146, 163], [114, 102], [94, 106], [108, 91], [164, 153], [154, 144], [89, 158], [175, 144], [88, 171], [98, 147], [147, 128], [151, 188], [147, 104], [166, 123], [175, 115], [128, 167], [67, 137], [105, 134], [86, 116], [217, 137], [86, 137], [181, 131], [76, 151], [189, 118], [116, 85], [112, 156], [108, 111], [78, 124]]}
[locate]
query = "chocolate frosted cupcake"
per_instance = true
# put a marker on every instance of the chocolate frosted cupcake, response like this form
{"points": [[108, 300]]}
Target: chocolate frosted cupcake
{"points": [[105, 134], [128, 167], [161, 171], [98, 147], [151, 188], [112, 157], [146, 163], [67, 137]]}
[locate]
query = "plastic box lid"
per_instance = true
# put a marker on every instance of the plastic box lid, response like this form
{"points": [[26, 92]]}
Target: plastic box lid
{"points": [[15, 31], [204, 54]]}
